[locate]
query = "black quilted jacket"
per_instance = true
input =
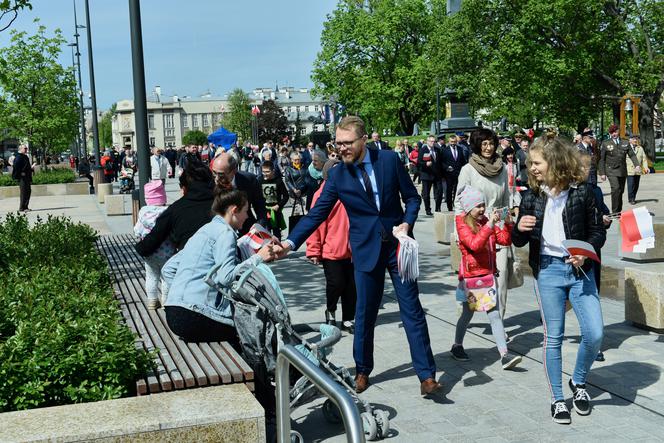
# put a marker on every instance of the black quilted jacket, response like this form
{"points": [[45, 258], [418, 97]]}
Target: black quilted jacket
{"points": [[581, 218]]}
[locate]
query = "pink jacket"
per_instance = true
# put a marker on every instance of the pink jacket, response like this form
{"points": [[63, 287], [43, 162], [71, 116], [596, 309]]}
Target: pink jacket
{"points": [[330, 241]]}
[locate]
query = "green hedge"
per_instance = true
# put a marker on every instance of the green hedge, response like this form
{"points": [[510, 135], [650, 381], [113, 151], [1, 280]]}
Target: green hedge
{"points": [[62, 338], [49, 177]]}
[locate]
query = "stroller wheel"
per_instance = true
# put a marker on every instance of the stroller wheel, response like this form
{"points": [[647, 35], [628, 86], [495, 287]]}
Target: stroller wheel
{"points": [[331, 413], [296, 437], [370, 426], [383, 421]]}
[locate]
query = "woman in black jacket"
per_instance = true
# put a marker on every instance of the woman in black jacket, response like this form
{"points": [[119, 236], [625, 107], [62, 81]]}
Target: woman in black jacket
{"points": [[558, 207], [185, 216]]}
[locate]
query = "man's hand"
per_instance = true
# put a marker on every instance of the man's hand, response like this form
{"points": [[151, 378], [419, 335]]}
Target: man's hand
{"points": [[606, 220], [284, 250], [403, 227], [315, 260], [429, 163], [602, 177], [527, 223], [275, 208]]}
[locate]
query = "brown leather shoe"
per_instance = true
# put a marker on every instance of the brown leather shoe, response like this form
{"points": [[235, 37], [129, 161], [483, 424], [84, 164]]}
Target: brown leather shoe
{"points": [[361, 383], [429, 386]]}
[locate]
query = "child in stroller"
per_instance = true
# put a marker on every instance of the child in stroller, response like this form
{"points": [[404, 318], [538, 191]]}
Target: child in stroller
{"points": [[126, 180]]}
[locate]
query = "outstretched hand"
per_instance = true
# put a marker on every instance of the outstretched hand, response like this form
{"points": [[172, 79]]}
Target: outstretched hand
{"points": [[284, 249]]}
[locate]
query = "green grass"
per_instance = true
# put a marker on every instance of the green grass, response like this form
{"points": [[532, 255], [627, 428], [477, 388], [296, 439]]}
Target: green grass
{"points": [[49, 177], [659, 166]]}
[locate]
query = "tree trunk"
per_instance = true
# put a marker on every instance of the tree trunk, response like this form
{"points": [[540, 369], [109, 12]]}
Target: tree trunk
{"points": [[646, 124], [406, 121], [615, 108]]}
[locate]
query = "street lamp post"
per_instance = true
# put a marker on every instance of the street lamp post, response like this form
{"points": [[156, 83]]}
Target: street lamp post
{"points": [[78, 133], [84, 143], [95, 130]]}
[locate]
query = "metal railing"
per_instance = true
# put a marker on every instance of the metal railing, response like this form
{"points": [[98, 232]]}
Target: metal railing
{"points": [[288, 356]]}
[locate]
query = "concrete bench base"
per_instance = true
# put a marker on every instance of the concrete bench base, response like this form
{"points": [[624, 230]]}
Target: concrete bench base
{"points": [[644, 297], [118, 204], [79, 188], [443, 226], [103, 189], [223, 413]]}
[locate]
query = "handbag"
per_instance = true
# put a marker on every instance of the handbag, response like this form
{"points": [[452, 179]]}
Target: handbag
{"points": [[294, 219], [515, 272], [482, 291]]}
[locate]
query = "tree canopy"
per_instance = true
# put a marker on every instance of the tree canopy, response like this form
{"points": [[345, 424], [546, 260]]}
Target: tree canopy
{"points": [[238, 117], [195, 137], [38, 101], [106, 127], [272, 122]]}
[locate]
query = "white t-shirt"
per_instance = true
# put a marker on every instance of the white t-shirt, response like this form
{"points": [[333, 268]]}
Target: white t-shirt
{"points": [[553, 229]]}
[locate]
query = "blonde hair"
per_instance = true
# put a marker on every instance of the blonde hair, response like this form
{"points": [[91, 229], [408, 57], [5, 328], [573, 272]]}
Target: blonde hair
{"points": [[563, 159], [353, 122], [470, 221]]}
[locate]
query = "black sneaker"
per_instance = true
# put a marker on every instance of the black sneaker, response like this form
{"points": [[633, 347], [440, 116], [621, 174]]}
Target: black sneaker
{"points": [[581, 399], [560, 413], [510, 360], [600, 356], [459, 354]]}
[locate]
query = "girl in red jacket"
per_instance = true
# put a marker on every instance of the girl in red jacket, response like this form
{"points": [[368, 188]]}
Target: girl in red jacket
{"points": [[477, 238], [329, 245]]}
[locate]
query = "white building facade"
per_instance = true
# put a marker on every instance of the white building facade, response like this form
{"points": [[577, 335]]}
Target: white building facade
{"points": [[169, 118]]}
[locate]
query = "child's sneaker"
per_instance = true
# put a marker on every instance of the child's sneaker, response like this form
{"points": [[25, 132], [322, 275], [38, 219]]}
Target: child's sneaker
{"points": [[153, 303], [510, 360], [560, 413], [459, 354], [581, 399]]}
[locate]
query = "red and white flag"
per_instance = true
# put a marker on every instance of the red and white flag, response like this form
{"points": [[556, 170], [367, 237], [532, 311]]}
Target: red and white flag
{"points": [[252, 241], [578, 247], [637, 231]]}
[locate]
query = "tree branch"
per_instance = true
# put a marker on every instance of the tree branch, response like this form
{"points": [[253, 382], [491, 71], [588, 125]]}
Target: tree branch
{"points": [[10, 21], [613, 10], [646, 37], [610, 80]]}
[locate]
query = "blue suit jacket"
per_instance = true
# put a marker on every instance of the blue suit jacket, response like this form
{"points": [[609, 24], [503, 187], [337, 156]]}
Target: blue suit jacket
{"points": [[368, 226]]}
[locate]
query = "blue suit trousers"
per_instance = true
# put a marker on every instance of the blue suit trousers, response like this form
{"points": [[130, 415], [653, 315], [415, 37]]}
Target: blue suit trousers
{"points": [[370, 286]]}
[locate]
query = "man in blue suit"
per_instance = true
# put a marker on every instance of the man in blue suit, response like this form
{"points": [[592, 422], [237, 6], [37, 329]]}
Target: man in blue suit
{"points": [[370, 183]]}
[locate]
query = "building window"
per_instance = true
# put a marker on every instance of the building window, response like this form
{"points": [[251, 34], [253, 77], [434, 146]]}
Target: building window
{"points": [[194, 120], [289, 109], [152, 141], [315, 108], [206, 121], [168, 120], [303, 131], [169, 132], [297, 109], [185, 120], [306, 109], [150, 121]]}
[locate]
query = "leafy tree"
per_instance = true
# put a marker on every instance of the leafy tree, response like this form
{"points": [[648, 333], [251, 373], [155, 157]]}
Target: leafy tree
{"points": [[554, 60], [238, 117], [106, 126], [272, 122], [37, 95], [373, 60], [297, 138], [9, 11], [194, 137]]}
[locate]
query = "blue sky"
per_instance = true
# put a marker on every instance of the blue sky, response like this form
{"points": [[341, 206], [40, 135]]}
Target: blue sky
{"points": [[191, 46]]}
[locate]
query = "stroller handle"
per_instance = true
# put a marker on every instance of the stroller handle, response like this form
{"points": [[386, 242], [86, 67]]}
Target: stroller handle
{"points": [[331, 340]]}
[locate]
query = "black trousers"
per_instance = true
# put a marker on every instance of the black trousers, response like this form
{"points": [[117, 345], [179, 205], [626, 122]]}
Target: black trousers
{"points": [[617, 191], [340, 284], [450, 191], [632, 187], [191, 326], [25, 189], [437, 193]]}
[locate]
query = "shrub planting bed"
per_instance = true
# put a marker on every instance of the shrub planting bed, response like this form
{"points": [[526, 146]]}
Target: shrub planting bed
{"points": [[62, 337], [49, 177]]}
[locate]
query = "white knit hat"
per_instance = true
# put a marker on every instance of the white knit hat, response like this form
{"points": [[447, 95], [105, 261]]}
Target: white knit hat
{"points": [[470, 198]]}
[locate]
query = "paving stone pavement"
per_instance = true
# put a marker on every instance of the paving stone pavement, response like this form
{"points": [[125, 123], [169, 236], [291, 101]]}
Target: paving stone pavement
{"points": [[480, 401]]}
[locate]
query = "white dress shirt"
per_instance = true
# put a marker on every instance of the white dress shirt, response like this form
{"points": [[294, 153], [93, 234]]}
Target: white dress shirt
{"points": [[553, 229]]}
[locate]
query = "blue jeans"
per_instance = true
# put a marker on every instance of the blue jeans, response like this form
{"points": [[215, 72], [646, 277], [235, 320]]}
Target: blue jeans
{"points": [[557, 282]]}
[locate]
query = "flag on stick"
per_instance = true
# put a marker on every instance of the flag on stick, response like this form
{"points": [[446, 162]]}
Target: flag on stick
{"points": [[578, 247], [637, 230]]}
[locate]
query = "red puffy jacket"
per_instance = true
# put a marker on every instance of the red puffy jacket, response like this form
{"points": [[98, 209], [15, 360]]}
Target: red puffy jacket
{"points": [[331, 240], [478, 250]]}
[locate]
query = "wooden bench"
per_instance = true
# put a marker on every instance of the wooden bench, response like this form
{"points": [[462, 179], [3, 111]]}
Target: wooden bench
{"points": [[179, 365]]}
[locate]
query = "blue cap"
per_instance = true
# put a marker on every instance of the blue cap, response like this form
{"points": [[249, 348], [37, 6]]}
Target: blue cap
{"points": [[460, 134]]}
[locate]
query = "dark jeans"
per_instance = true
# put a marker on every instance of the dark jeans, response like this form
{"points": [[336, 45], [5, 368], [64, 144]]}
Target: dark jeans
{"points": [[90, 179], [437, 194], [191, 326], [632, 187], [450, 191], [340, 284], [617, 191], [25, 189]]}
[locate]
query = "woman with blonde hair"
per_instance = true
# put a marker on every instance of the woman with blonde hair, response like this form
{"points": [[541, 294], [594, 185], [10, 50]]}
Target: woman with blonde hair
{"points": [[559, 206]]}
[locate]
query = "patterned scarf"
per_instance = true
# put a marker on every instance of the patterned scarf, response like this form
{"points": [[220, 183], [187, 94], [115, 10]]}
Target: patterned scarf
{"points": [[487, 167]]}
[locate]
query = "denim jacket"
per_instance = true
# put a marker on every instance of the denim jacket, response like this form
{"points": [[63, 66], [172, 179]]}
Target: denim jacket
{"points": [[213, 244]]}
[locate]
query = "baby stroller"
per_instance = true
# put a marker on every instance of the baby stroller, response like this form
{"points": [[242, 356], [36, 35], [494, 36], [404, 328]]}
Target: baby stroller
{"points": [[261, 318], [126, 180]]}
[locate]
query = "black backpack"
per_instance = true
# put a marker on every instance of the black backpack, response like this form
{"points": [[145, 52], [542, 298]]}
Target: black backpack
{"points": [[108, 166]]}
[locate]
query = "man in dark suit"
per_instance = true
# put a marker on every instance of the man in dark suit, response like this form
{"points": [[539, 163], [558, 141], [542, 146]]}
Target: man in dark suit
{"points": [[376, 142], [613, 164], [22, 171], [428, 162], [227, 176], [371, 184], [453, 160], [586, 147]]}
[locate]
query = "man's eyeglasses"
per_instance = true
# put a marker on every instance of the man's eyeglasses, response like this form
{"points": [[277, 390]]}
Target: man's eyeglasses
{"points": [[220, 176], [339, 144]]}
